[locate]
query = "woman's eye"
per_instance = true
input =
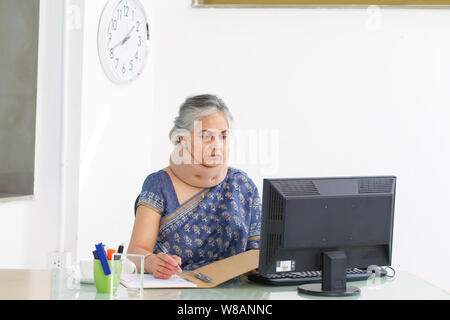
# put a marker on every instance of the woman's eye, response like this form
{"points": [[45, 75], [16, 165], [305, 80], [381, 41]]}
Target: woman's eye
{"points": [[206, 137]]}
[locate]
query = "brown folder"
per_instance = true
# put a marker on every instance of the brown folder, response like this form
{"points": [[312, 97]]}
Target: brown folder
{"points": [[225, 269], [218, 271]]}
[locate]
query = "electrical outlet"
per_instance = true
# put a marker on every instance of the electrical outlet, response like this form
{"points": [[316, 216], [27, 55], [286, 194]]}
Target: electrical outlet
{"points": [[58, 260]]}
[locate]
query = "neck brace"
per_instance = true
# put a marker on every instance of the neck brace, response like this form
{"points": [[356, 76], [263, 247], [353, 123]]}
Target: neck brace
{"points": [[197, 175]]}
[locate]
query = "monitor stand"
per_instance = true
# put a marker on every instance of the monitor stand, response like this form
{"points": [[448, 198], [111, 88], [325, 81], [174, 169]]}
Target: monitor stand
{"points": [[334, 281]]}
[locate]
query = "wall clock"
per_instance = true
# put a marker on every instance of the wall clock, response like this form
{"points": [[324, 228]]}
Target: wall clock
{"points": [[122, 40]]}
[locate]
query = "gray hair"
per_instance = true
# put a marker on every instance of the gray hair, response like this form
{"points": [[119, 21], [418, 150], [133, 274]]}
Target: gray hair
{"points": [[193, 109]]}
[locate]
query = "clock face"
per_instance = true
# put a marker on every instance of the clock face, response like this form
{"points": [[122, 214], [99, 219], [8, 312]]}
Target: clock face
{"points": [[123, 40]]}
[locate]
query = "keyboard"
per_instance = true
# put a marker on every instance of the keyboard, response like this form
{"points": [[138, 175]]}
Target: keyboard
{"points": [[298, 278]]}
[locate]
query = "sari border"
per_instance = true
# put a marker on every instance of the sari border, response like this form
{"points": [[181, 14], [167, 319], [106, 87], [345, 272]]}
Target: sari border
{"points": [[145, 204], [180, 209]]}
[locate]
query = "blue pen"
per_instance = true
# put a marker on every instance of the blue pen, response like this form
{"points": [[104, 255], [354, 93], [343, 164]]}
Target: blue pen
{"points": [[103, 259], [163, 249]]}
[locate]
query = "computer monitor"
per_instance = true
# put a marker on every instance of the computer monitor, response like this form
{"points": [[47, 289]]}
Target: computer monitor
{"points": [[327, 224]]}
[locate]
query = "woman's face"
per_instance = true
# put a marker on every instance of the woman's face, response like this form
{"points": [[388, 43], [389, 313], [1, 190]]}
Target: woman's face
{"points": [[209, 140]]}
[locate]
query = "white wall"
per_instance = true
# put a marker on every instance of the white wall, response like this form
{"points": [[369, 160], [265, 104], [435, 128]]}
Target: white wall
{"points": [[349, 91], [116, 145]]}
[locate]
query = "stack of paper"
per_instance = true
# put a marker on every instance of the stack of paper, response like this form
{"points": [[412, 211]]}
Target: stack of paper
{"points": [[132, 281]]}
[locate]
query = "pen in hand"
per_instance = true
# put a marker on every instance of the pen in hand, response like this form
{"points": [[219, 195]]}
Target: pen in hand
{"points": [[164, 250]]}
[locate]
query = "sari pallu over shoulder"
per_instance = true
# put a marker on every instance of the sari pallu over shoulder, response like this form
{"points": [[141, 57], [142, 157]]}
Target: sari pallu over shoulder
{"points": [[180, 215]]}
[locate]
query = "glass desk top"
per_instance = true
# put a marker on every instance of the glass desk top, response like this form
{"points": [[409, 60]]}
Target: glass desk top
{"points": [[404, 286]]}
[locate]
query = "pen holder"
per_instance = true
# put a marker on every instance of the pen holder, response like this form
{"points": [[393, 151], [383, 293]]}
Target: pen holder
{"points": [[102, 281]]}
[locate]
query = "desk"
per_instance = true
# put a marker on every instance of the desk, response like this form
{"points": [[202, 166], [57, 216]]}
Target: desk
{"points": [[58, 285]]}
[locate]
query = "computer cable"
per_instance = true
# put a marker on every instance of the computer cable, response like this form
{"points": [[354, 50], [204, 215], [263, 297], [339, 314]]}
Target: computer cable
{"points": [[393, 270]]}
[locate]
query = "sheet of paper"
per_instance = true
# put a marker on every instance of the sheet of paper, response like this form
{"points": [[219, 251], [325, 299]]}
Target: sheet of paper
{"points": [[132, 281]]}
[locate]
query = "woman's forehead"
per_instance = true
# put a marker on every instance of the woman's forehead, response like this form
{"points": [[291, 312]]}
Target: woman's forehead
{"points": [[215, 123]]}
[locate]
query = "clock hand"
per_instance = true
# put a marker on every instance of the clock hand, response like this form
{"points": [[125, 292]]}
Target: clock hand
{"points": [[127, 37], [120, 43]]}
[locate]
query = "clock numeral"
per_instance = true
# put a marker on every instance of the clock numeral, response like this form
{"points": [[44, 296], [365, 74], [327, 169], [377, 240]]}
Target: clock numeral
{"points": [[123, 69], [111, 53], [126, 9], [109, 36], [136, 56], [140, 41], [138, 24], [117, 62], [119, 14], [114, 24], [131, 65]]}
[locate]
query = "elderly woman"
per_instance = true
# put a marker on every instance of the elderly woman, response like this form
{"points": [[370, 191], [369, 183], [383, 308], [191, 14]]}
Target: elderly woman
{"points": [[198, 208]]}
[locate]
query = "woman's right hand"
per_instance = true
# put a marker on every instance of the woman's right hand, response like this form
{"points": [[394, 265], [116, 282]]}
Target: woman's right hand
{"points": [[145, 232], [163, 266]]}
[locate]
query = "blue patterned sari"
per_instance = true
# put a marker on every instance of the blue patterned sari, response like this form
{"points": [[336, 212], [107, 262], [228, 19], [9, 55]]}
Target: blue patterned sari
{"points": [[214, 224]]}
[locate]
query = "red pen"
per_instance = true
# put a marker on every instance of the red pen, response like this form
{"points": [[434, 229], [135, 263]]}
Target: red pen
{"points": [[110, 252]]}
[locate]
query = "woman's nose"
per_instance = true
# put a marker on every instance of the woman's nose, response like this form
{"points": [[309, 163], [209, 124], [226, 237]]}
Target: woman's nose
{"points": [[216, 142]]}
